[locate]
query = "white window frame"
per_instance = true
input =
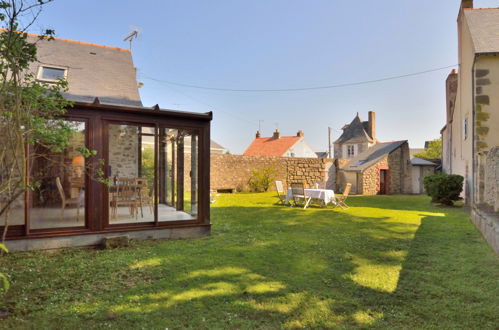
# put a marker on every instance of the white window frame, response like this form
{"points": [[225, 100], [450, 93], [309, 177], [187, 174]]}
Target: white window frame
{"points": [[40, 71], [348, 151]]}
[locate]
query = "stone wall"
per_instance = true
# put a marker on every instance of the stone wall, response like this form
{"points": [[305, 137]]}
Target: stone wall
{"points": [[234, 171], [399, 164], [123, 151], [491, 184], [370, 178]]}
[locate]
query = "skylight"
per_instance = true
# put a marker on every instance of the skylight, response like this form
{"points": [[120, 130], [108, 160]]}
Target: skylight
{"points": [[51, 74], [360, 162]]}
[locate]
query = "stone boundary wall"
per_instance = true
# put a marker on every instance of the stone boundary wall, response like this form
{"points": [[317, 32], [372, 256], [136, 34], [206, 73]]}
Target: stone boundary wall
{"points": [[488, 224], [491, 182], [234, 171]]}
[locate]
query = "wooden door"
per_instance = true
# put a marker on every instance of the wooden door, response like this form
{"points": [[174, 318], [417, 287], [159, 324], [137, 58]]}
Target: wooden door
{"points": [[383, 182]]}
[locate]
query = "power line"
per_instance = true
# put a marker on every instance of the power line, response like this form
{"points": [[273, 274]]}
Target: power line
{"points": [[253, 123], [301, 88]]}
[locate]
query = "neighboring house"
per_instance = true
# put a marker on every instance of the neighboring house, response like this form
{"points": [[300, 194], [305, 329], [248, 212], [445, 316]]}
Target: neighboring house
{"points": [[280, 146], [421, 168], [414, 151], [384, 168], [216, 148], [158, 188], [357, 137], [470, 137]]}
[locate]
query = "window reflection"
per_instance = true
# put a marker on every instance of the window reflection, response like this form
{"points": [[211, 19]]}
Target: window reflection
{"points": [[60, 199]]}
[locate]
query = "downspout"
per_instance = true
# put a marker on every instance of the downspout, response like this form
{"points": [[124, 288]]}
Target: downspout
{"points": [[473, 158]]}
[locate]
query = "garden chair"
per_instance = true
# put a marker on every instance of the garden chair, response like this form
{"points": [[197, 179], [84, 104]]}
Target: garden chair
{"points": [[78, 201], [144, 195], [125, 195], [298, 193], [280, 192], [340, 200]]}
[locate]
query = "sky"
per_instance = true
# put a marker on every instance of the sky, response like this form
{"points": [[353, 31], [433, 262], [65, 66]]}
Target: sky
{"points": [[282, 44]]}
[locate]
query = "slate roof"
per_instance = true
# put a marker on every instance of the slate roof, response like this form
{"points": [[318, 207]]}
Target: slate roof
{"points": [[92, 70], [483, 24], [268, 146], [214, 145], [371, 156], [355, 132], [416, 161]]}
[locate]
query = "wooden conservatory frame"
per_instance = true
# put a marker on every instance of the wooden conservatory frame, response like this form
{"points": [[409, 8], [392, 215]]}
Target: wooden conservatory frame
{"points": [[96, 226]]}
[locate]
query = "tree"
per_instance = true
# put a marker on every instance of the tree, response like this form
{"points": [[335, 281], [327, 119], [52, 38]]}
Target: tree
{"points": [[29, 110], [432, 151]]}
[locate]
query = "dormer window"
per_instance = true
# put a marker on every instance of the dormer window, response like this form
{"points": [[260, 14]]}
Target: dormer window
{"points": [[350, 151], [51, 73]]}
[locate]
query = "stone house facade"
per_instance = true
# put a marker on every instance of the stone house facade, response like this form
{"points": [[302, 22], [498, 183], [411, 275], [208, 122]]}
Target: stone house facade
{"points": [[357, 137], [470, 136]]}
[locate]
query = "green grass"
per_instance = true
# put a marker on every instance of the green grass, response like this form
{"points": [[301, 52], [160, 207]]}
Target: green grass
{"points": [[387, 262]]}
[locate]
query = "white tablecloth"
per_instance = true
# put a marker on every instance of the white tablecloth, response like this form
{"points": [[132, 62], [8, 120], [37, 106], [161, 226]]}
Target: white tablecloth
{"points": [[326, 195]]}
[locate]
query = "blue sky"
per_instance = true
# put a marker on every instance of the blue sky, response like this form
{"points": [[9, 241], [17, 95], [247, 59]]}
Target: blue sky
{"points": [[274, 44]]}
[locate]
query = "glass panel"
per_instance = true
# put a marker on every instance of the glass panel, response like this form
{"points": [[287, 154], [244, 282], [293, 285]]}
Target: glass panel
{"points": [[178, 158], [60, 199], [131, 167]]}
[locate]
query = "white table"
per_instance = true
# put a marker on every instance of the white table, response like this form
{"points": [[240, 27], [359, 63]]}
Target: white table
{"points": [[326, 195]]}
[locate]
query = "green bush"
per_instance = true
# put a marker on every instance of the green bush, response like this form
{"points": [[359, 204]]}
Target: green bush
{"points": [[261, 180], [444, 188]]}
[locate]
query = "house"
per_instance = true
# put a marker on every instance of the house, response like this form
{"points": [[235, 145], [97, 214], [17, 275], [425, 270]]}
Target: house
{"points": [[280, 146], [157, 161], [216, 148], [383, 168], [357, 137], [470, 137], [421, 168]]}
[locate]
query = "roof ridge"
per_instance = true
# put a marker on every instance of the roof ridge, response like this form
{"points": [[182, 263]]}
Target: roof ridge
{"points": [[75, 41]]}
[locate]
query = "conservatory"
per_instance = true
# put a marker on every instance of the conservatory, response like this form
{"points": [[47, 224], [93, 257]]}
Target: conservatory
{"points": [[148, 179]]}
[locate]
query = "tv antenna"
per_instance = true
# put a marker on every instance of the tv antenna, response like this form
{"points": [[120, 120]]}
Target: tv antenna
{"points": [[131, 36], [260, 124]]}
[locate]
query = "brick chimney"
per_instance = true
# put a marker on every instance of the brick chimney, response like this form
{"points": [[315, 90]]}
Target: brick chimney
{"points": [[466, 4], [371, 125], [300, 133], [276, 134], [258, 135]]}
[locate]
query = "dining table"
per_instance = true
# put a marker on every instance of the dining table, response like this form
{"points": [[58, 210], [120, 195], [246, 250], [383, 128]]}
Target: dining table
{"points": [[325, 195]]}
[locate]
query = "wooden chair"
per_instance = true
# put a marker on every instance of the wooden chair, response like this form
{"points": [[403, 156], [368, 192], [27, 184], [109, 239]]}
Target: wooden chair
{"points": [[280, 192], [298, 193], [320, 185], [143, 195], [340, 200], [124, 195], [78, 201]]}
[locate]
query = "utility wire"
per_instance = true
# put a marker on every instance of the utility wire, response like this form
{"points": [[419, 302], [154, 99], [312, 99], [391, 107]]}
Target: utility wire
{"points": [[301, 88]]}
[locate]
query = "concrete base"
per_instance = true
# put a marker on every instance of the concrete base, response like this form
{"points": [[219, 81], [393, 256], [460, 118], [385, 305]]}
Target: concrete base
{"points": [[97, 239], [488, 224]]}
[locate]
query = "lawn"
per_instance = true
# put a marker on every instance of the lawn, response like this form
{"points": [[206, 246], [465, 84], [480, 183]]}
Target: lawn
{"points": [[387, 262]]}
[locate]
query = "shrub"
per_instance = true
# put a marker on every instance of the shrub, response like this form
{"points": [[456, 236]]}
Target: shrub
{"points": [[261, 180], [444, 188]]}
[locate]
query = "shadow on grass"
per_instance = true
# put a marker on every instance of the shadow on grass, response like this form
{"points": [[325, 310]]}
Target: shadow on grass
{"points": [[272, 267]]}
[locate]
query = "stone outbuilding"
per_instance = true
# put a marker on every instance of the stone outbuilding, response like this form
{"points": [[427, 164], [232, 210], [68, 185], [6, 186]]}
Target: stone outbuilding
{"points": [[384, 168]]}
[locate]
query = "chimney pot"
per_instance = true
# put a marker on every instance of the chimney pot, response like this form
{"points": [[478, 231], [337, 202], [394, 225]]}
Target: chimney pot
{"points": [[300, 133], [258, 134], [371, 126], [276, 134]]}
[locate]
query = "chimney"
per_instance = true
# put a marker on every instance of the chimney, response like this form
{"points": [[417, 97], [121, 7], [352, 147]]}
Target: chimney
{"points": [[276, 134], [466, 4], [300, 133], [258, 134], [371, 125]]}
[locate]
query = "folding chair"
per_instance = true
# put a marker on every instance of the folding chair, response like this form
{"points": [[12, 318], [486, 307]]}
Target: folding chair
{"points": [[340, 200], [298, 192], [280, 192]]}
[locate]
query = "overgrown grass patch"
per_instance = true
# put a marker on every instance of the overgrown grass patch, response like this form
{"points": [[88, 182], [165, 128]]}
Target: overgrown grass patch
{"points": [[387, 262]]}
